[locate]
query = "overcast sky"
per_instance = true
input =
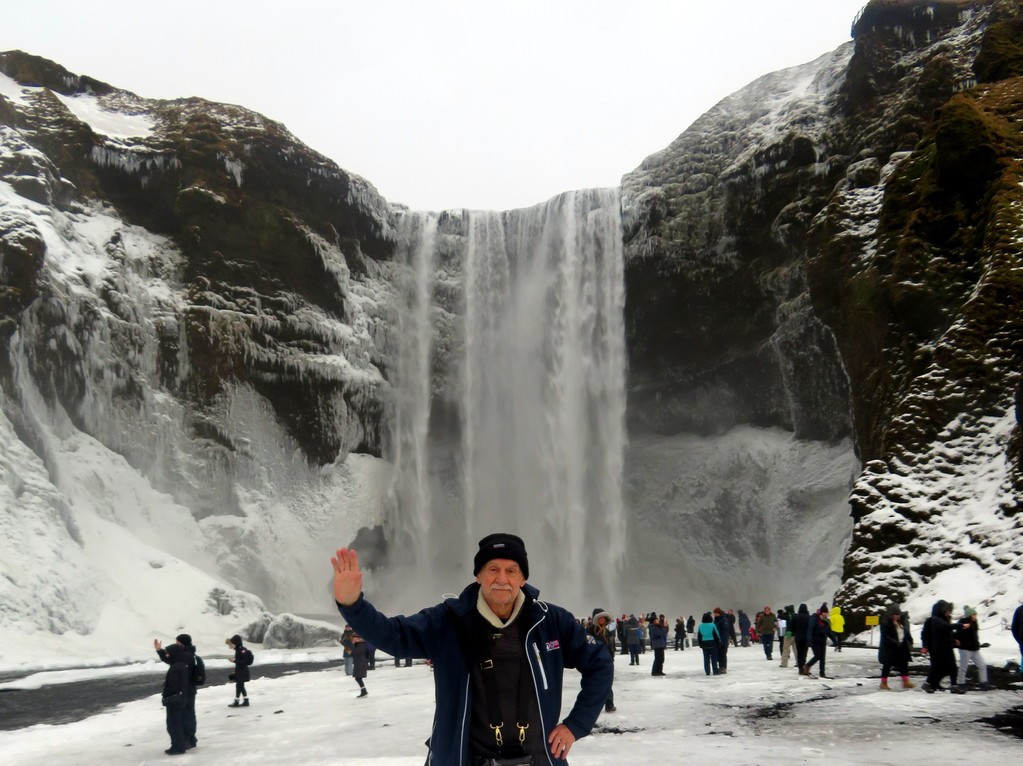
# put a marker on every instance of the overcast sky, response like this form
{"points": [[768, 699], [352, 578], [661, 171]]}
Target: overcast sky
{"points": [[446, 103]]}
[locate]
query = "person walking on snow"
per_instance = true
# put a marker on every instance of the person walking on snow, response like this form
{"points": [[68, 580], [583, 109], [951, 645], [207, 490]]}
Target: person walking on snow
{"points": [[895, 647], [800, 636], [744, 626], [360, 662], [968, 635], [817, 634], [766, 624], [242, 660], [937, 640], [837, 627]]}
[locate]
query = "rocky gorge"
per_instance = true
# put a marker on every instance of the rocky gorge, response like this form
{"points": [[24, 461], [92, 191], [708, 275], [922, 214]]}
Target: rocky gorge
{"points": [[819, 338]]}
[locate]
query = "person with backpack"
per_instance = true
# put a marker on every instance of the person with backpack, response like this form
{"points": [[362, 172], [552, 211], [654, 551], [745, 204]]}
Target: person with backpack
{"points": [[242, 659], [175, 694], [196, 678]]}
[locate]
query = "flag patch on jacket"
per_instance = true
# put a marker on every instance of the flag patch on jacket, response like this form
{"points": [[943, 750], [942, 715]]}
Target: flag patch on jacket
{"points": [[552, 645]]}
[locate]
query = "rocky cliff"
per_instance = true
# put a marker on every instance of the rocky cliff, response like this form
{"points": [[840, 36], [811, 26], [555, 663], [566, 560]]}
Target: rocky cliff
{"points": [[835, 250], [205, 327], [201, 303]]}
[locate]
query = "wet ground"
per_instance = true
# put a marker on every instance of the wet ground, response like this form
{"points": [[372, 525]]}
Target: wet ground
{"points": [[68, 702]]}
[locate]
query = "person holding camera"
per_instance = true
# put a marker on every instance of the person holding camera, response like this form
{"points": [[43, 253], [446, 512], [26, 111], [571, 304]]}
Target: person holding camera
{"points": [[498, 655], [242, 660]]}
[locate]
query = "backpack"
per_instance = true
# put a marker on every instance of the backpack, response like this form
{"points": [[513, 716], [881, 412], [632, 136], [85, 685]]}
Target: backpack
{"points": [[198, 672], [247, 655]]}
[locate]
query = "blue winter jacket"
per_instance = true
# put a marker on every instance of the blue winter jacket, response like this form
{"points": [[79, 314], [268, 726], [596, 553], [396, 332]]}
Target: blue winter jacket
{"points": [[554, 641], [658, 637]]}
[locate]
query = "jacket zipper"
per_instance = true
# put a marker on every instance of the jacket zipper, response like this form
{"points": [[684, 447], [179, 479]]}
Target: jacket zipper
{"points": [[539, 702], [539, 663]]}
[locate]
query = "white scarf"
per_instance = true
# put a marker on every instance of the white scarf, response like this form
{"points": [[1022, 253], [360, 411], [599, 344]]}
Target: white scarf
{"points": [[488, 614]]}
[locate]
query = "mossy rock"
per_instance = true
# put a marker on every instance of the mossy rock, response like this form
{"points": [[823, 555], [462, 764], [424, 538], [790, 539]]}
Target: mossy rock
{"points": [[1001, 52]]}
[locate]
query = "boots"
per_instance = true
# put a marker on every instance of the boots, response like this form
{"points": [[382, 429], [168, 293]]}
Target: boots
{"points": [[363, 693], [245, 702], [609, 708], [906, 683], [236, 703], [884, 685]]}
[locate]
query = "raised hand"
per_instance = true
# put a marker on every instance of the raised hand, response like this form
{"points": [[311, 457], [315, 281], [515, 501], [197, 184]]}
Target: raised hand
{"points": [[157, 645], [347, 576]]}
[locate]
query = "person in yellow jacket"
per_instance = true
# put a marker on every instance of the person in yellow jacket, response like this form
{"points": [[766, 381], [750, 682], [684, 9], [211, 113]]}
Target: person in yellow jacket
{"points": [[837, 627]]}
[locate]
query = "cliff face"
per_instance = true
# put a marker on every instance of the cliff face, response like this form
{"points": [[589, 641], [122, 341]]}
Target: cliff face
{"points": [[187, 288], [201, 321], [834, 249]]}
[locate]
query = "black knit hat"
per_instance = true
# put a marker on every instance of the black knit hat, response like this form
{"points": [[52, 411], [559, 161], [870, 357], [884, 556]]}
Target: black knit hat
{"points": [[184, 639], [501, 545]]}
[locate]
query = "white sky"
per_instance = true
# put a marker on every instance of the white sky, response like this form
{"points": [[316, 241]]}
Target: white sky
{"points": [[452, 103]]}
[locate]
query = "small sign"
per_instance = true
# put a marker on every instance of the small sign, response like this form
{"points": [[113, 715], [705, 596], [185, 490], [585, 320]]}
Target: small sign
{"points": [[872, 619]]}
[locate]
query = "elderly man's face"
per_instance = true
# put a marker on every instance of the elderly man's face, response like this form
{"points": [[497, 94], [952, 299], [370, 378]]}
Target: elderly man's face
{"points": [[500, 582]]}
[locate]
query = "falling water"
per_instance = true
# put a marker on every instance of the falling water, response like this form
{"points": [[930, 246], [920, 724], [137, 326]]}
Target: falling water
{"points": [[540, 390], [410, 493]]}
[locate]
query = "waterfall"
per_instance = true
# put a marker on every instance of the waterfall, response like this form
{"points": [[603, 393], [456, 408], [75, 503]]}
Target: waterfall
{"points": [[410, 492], [538, 385]]}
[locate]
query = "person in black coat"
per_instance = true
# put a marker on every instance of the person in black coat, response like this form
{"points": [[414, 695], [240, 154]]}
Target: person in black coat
{"points": [[724, 627], [241, 671], [895, 648], [818, 632], [680, 634], [185, 642], [603, 633], [360, 653], [175, 698], [800, 625], [744, 626], [690, 629], [938, 642]]}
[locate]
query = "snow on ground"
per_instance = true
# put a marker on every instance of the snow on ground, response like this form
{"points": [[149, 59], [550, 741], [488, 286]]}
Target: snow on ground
{"points": [[314, 717]]}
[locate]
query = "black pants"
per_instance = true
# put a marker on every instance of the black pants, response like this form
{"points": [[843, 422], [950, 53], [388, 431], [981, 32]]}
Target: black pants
{"points": [[680, 643], [710, 659], [942, 664], [239, 689], [633, 654], [190, 717], [801, 647], [723, 656], [658, 668], [176, 725], [819, 648]]}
